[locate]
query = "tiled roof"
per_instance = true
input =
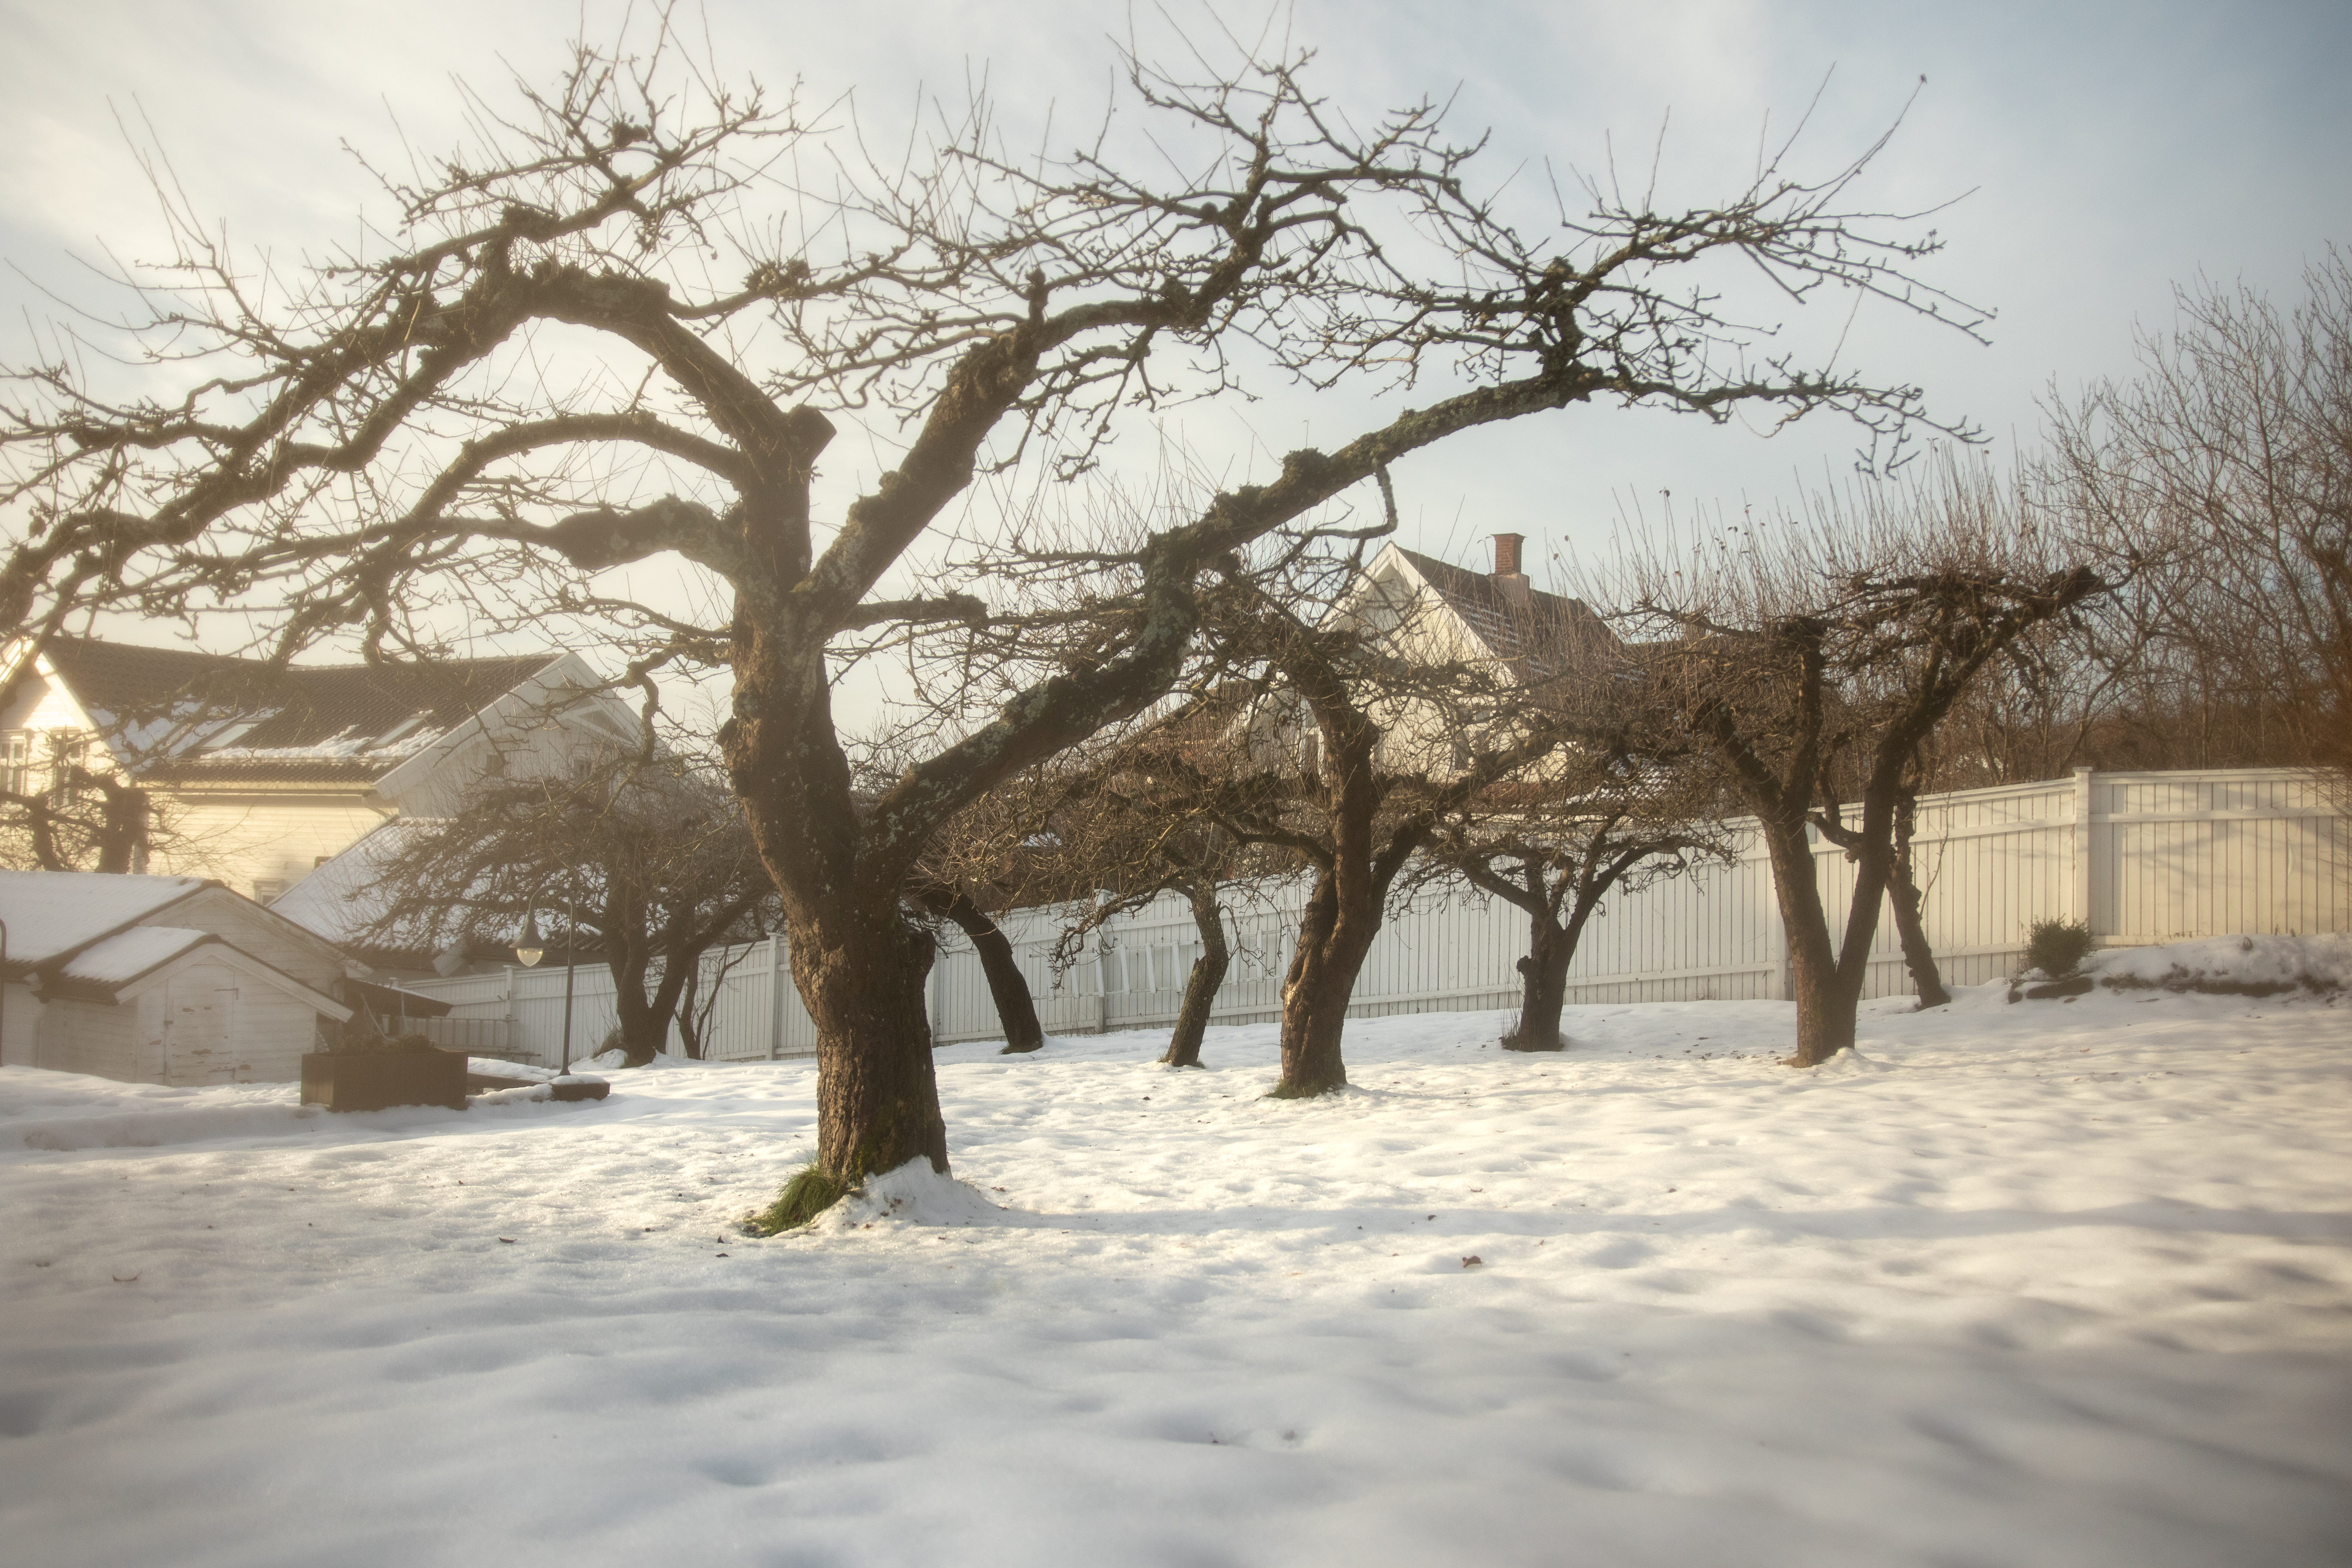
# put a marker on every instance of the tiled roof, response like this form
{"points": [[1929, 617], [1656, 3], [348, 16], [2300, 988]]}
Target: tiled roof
{"points": [[184, 717], [1545, 623]]}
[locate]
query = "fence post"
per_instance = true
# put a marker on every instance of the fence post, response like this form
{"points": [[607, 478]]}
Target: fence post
{"points": [[777, 979], [2084, 847], [506, 1007]]}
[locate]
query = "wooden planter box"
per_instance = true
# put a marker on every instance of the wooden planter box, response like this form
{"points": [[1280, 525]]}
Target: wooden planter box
{"points": [[377, 1082]]}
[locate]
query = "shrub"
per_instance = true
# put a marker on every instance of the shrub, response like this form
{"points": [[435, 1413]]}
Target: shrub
{"points": [[2057, 948], [358, 1039]]}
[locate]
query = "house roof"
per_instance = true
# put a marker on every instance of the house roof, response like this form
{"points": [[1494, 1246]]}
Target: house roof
{"points": [[1510, 629], [182, 717], [344, 897], [52, 913]]}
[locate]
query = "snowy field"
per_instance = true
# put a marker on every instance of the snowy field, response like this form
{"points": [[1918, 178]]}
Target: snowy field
{"points": [[2052, 1283]]}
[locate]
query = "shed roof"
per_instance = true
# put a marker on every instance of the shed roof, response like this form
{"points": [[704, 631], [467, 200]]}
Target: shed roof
{"points": [[118, 969], [51, 913], [120, 958], [55, 918]]}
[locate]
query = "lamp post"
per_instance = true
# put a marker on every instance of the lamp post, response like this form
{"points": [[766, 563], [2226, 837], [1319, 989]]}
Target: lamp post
{"points": [[530, 947], [571, 956]]}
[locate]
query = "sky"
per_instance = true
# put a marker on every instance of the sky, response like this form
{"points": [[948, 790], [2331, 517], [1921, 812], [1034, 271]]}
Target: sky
{"points": [[2093, 156]]}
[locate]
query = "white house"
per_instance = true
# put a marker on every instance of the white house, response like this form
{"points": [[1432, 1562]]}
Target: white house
{"points": [[1424, 610], [260, 775], [148, 979], [1450, 613]]}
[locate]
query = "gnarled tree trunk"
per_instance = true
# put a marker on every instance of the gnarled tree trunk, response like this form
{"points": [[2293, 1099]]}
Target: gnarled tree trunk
{"points": [[863, 977], [1903, 896], [1200, 985], [644, 1012], [644, 1028], [1016, 1009], [1543, 992], [1825, 995], [1552, 940], [1334, 935]]}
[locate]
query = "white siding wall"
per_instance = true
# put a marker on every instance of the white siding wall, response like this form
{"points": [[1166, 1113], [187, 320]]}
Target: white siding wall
{"points": [[2149, 857], [539, 748], [280, 943], [245, 840], [201, 1023], [89, 1036], [20, 1017], [225, 1028], [240, 839]]}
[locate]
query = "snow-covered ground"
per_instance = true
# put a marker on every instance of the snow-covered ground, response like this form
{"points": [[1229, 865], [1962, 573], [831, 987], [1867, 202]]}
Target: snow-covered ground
{"points": [[2052, 1283]]}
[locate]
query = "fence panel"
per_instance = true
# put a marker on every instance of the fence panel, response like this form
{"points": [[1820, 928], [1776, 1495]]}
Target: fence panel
{"points": [[2142, 858]]}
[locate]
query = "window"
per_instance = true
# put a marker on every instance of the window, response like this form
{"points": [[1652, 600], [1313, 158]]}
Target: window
{"points": [[66, 750], [15, 761]]}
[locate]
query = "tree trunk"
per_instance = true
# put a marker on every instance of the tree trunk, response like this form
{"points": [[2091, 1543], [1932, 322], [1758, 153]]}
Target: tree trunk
{"points": [[1545, 991], [125, 814], [1332, 942], [689, 1033], [1016, 1010], [858, 965], [644, 1024], [862, 974], [1903, 893], [1200, 985], [1825, 997]]}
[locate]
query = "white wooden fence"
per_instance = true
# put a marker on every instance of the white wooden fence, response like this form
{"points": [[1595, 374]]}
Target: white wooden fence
{"points": [[2141, 857]]}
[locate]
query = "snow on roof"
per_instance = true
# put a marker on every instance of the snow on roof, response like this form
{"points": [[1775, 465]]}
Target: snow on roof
{"points": [[188, 717], [342, 898], [119, 960], [53, 913], [342, 747]]}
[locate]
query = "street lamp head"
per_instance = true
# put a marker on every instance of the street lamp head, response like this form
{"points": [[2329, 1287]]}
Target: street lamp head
{"points": [[529, 948]]}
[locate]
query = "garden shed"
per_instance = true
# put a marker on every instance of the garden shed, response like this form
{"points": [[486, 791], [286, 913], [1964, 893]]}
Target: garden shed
{"points": [[173, 979]]}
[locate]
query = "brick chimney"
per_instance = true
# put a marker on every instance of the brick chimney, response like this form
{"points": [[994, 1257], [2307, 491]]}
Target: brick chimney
{"points": [[1508, 580]]}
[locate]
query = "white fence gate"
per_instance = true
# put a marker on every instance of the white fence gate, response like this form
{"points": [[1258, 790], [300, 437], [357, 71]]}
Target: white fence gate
{"points": [[2140, 857]]}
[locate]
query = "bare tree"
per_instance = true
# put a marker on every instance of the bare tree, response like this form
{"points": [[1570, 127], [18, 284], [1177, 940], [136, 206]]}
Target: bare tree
{"points": [[378, 442], [1557, 844], [972, 870], [1805, 651], [1345, 735], [2228, 462], [1115, 836], [700, 997], [649, 852], [59, 813]]}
